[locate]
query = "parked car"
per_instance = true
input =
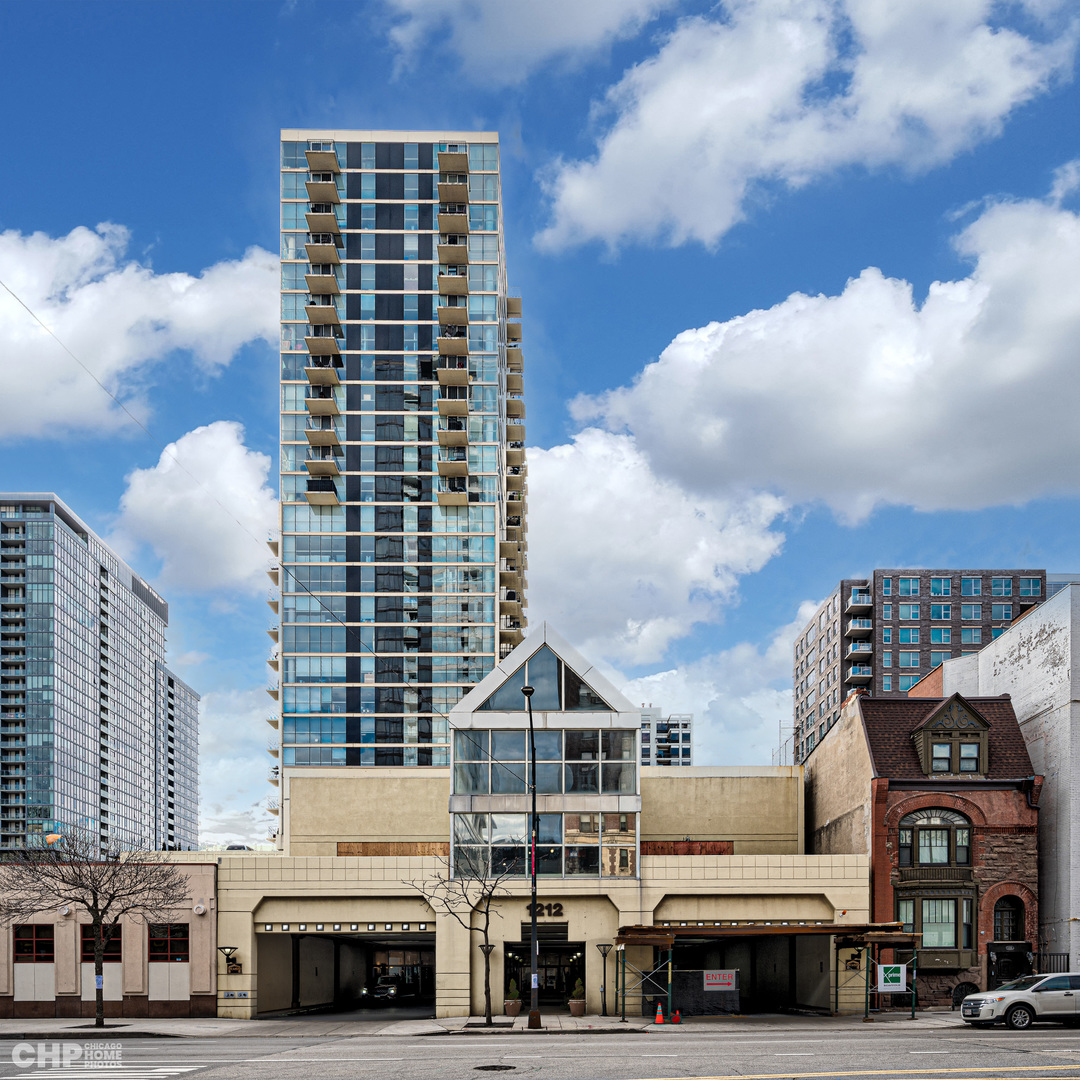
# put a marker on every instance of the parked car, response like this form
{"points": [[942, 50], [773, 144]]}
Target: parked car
{"points": [[388, 990], [1022, 1002]]}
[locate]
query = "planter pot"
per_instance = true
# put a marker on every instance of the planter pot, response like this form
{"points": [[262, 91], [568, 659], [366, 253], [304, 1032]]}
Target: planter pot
{"points": [[512, 1008], [577, 1006]]}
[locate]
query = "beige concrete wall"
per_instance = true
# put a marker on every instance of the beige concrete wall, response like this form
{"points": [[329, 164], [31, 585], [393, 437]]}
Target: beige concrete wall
{"points": [[322, 807], [759, 809], [838, 775], [255, 891], [131, 976]]}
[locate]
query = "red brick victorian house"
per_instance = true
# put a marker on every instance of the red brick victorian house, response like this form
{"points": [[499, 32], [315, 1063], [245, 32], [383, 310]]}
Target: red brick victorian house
{"points": [[940, 793]]}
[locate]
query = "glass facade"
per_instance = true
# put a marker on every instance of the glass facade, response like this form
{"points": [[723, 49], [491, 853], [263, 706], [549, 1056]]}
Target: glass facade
{"points": [[402, 442], [95, 731]]}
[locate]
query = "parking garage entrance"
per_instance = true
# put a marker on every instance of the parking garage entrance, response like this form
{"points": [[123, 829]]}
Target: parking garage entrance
{"points": [[304, 969], [747, 968]]}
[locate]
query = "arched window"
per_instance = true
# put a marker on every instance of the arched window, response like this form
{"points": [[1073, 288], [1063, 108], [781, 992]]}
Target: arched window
{"points": [[1009, 919], [934, 837]]}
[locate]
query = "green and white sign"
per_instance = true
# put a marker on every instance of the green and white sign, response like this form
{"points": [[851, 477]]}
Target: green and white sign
{"points": [[892, 978]]}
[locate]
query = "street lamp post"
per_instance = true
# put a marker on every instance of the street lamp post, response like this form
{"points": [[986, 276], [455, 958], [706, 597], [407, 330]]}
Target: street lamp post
{"points": [[534, 982], [604, 949]]}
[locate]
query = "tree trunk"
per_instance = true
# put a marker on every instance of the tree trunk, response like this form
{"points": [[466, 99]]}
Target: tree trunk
{"points": [[99, 977]]}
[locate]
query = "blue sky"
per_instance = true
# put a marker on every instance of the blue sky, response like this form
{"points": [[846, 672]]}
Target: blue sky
{"points": [[780, 182]]}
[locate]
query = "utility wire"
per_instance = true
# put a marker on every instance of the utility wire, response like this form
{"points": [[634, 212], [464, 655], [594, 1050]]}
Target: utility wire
{"points": [[165, 451]]}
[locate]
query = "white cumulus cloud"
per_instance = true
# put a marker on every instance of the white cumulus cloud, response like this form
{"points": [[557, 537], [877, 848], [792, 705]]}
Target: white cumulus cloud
{"points": [[962, 399], [234, 765], [780, 92], [623, 561], [119, 318], [205, 509], [741, 697], [503, 41]]}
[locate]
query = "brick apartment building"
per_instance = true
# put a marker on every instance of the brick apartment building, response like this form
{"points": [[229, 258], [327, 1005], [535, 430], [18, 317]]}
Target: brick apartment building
{"points": [[941, 794]]}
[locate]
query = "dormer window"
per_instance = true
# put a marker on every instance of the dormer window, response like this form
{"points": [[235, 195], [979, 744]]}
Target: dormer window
{"points": [[953, 741]]}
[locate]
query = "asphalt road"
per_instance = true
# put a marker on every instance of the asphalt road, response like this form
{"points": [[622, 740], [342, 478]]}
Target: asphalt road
{"points": [[876, 1052]]}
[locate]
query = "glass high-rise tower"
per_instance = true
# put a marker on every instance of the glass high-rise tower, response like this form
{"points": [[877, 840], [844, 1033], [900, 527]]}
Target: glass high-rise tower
{"points": [[95, 730], [403, 489]]}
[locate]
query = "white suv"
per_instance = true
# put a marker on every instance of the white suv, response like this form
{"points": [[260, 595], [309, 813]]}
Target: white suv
{"points": [[1023, 1001]]}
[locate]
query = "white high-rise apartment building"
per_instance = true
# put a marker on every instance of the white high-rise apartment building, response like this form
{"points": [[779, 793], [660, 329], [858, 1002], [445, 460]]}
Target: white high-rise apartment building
{"points": [[666, 740], [403, 494]]}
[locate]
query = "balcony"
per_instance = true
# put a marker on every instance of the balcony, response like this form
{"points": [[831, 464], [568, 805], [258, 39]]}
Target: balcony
{"points": [[323, 371], [859, 628], [322, 161], [510, 603], [274, 632], [322, 431], [321, 491], [453, 249], [515, 457], [322, 311], [515, 481], [322, 188], [324, 344], [453, 401], [453, 187], [323, 280], [515, 432], [321, 218], [860, 600], [456, 315], [321, 401], [453, 431], [453, 341], [322, 248], [272, 804], [453, 284], [513, 333], [273, 775], [453, 491], [515, 409], [274, 691], [859, 673], [454, 371], [513, 307], [453, 161], [453, 218], [318, 463], [935, 873], [859, 650], [274, 573], [453, 461], [514, 360], [515, 384]]}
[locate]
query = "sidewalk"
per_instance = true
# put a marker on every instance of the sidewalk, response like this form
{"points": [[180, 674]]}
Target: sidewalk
{"points": [[554, 1023]]}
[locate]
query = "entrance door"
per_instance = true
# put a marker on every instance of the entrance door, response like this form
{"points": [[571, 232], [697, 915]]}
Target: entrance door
{"points": [[558, 968]]}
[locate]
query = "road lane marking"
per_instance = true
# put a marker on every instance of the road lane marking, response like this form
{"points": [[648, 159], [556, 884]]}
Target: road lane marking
{"points": [[897, 1072], [931, 1051]]}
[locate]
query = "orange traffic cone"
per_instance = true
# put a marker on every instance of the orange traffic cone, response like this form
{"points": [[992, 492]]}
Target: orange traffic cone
{"points": [[659, 1014], [676, 1019]]}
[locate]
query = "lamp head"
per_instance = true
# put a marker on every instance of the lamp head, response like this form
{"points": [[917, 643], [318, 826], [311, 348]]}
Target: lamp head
{"points": [[527, 691]]}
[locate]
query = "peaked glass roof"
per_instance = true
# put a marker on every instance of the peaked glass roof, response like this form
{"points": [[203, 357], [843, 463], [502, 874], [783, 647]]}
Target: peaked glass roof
{"points": [[555, 688]]}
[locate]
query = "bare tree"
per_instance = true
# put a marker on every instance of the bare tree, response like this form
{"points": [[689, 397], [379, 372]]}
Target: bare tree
{"points": [[469, 891], [108, 884]]}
